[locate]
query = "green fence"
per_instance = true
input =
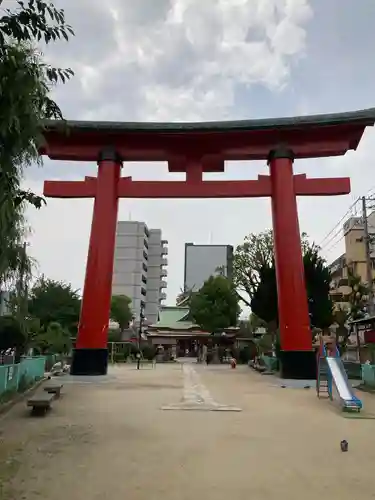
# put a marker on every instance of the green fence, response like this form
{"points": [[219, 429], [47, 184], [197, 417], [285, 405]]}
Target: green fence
{"points": [[270, 362], [368, 375], [26, 372]]}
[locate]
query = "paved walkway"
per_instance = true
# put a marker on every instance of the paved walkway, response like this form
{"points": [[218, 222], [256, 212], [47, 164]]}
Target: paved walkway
{"points": [[112, 439]]}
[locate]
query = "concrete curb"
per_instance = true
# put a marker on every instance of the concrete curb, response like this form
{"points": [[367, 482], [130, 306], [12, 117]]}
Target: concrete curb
{"points": [[4, 408]]}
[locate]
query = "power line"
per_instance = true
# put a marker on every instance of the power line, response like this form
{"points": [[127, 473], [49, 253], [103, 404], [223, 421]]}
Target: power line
{"points": [[353, 206], [330, 248], [332, 238], [336, 231], [372, 189], [338, 224]]}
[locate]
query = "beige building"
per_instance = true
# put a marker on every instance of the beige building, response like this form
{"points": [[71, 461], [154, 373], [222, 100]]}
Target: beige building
{"points": [[353, 259], [140, 268]]}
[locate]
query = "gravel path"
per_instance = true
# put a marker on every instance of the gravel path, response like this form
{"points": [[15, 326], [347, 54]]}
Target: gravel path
{"points": [[111, 439]]}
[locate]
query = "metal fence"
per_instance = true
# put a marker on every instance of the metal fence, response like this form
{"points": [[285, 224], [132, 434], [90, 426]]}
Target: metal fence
{"points": [[25, 372], [368, 375]]}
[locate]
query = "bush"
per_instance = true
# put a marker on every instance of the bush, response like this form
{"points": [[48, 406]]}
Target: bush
{"points": [[120, 357], [149, 352], [7, 395]]}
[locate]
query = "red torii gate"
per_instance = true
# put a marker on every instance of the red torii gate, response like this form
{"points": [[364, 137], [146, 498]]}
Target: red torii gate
{"points": [[194, 149]]}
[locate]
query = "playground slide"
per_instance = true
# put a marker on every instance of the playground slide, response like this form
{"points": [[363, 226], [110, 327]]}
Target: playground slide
{"points": [[340, 379]]}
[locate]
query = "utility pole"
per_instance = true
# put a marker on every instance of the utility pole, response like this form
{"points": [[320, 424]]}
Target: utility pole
{"points": [[367, 239], [140, 330]]}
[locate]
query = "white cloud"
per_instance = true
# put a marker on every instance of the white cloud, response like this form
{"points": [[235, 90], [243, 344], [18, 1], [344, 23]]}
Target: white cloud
{"points": [[185, 44], [184, 60]]}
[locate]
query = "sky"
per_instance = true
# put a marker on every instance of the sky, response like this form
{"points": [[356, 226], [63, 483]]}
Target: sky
{"points": [[193, 60]]}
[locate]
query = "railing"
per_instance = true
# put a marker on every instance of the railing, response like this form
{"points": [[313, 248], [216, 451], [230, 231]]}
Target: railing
{"points": [[270, 362], [25, 372], [368, 375]]}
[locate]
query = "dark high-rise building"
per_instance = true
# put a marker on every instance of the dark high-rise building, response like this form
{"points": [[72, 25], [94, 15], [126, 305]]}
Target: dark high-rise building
{"points": [[203, 261]]}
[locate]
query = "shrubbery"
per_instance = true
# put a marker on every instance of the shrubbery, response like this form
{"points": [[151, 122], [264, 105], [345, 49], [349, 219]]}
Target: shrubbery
{"points": [[149, 352]]}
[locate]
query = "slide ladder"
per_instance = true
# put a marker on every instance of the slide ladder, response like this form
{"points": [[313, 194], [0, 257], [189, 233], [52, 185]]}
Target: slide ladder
{"points": [[331, 372]]}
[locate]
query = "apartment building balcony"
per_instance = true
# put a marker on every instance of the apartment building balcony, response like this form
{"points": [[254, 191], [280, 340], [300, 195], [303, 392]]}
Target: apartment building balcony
{"points": [[163, 273], [163, 284], [164, 262], [164, 242], [164, 250], [163, 296]]}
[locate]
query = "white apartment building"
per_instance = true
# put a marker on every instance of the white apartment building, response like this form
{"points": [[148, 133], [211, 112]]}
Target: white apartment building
{"points": [[140, 268], [156, 274]]}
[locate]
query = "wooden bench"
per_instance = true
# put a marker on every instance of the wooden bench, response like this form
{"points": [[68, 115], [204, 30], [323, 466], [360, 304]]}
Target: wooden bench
{"points": [[41, 402], [54, 388]]}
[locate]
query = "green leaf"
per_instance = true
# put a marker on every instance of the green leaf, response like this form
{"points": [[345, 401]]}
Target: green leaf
{"points": [[25, 82], [215, 306], [120, 310]]}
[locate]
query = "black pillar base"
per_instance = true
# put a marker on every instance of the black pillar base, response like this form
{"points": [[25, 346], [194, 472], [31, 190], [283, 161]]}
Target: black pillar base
{"points": [[89, 362], [298, 365]]}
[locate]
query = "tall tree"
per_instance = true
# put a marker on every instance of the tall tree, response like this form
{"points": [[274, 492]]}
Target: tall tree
{"points": [[12, 335], [357, 297], [25, 83], [256, 254], [318, 280], [120, 311], [52, 340], [215, 306], [264, 302], [249, 258], [342, 332], [55, 301], [256, 322]]}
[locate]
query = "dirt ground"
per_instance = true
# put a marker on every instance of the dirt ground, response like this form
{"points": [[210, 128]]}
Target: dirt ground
{"points": [[111, 439]]}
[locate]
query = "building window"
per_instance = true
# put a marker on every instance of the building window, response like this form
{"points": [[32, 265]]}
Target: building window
{"points": [[144, 267], [144, 279], [145, 243], [147, 232], [145, 255], [143, 290]]}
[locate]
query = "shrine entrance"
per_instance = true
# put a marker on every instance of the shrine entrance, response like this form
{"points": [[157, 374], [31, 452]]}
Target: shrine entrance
{"points": [[195, 148]]}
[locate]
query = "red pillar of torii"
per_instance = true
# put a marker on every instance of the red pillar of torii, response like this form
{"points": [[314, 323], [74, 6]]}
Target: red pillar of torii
{"points": [[195, 149]]}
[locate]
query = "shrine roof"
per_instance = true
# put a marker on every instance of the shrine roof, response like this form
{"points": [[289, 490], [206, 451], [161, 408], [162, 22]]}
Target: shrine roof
{"points": [[211, 142], [173, 317], [366, 116]]}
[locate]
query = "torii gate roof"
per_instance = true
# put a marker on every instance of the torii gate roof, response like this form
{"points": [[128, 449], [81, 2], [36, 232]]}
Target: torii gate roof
{"points": [[211, 143]]}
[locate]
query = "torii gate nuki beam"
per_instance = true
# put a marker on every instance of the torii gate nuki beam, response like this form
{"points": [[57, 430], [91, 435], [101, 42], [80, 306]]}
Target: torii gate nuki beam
{"points": [[195, 149]]}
